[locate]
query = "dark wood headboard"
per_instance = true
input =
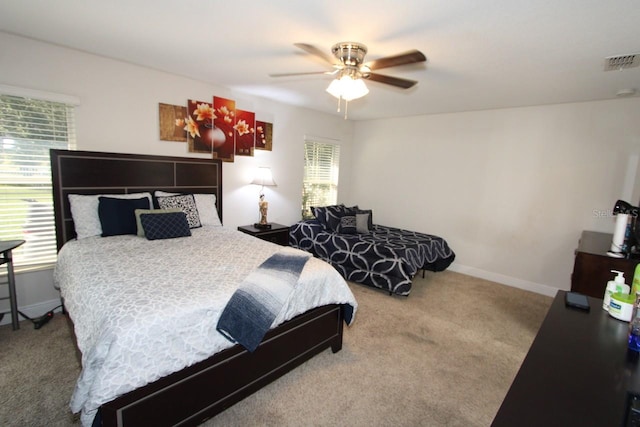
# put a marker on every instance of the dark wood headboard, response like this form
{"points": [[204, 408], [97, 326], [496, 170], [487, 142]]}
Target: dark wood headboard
{"points": [[89, 172]]}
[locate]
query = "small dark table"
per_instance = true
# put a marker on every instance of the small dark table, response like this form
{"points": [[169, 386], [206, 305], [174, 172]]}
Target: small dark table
{"points": [[592, 266], [278, 233], [5, 249], [577, 372]]}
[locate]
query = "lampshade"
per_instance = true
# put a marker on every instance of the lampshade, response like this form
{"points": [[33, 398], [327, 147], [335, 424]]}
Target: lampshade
{"points": [[348, 88], [264, 177]]}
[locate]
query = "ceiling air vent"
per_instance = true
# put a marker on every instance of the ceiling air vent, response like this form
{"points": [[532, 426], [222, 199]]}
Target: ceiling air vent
{"points": [[621, 62]]}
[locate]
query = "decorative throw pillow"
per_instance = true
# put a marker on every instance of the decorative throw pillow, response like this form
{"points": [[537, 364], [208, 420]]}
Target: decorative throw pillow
{"points": [[347, 225], [206, 204], [186, 203], [84, 211], [168, 225], [329, 216], [351, 210], [117, 215], [139, 212], [370, 219], [318, 213], [362, 222]]}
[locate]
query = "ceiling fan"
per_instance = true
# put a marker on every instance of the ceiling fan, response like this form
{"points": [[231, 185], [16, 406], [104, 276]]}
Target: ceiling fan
{"points": [[350, 68]]}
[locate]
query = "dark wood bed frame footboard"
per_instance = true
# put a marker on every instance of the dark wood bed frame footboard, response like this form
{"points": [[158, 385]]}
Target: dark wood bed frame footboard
{"points": [[198, 392]]}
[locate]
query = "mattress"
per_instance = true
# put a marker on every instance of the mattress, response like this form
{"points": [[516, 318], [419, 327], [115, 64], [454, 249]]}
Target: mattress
{"points": [[385, 257], [143, 309]]}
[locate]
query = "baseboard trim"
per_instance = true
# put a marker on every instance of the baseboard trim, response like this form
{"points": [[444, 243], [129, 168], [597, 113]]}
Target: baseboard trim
{"points": [[505, 280], [33, 310]]}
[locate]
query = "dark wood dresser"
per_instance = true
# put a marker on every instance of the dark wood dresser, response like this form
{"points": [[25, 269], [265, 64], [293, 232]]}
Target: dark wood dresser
{"points": [[577, 373], [592, 266]]}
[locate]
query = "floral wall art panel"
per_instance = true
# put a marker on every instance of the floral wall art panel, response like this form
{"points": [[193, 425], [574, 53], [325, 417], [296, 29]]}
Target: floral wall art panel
{"points": [[264, 135], [199, 127], [172, 122], [245, 128], [223, 122]]}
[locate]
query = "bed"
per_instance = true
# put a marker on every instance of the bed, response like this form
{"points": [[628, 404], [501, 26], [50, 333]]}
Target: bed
{"points": [[144, 311], [383, 257]]}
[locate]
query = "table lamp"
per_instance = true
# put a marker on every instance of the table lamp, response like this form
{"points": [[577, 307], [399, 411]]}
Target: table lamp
{"points": [[263, 178]]}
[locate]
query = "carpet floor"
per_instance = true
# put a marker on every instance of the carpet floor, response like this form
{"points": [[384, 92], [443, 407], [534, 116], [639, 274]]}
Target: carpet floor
{"points": [[444, 356]]}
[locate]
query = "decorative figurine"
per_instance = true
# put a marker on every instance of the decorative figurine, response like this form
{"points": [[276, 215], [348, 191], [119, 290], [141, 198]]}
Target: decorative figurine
{"points": [[264, 206]]}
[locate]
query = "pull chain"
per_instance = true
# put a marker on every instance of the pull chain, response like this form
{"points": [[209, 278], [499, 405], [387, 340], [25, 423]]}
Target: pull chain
{"points": [[346, 107]]}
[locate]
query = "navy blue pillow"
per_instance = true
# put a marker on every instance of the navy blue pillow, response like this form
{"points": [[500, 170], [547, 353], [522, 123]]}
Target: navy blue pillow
{"points": [[165, 226], [117, 216], [329, 216]]}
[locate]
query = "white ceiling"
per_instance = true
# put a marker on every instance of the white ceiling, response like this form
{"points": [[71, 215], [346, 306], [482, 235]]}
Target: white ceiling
{"points": [[480, 54]]}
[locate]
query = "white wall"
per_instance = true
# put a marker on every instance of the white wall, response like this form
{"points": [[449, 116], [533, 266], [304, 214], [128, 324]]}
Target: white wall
{"points": [[511, 190], [118, 112]]}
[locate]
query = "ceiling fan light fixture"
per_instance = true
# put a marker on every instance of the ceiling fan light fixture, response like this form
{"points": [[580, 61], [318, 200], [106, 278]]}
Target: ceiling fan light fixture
{"points": [[348, 88], [348, 63], [335, 88]]}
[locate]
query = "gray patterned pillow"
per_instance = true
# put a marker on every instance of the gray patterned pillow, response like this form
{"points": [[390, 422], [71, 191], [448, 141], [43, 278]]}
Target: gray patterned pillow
{"points": [[347, 225], [186, 203]]}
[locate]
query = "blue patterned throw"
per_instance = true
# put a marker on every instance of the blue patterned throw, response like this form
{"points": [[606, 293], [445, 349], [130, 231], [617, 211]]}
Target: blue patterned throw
{"points": [[257, 302]]}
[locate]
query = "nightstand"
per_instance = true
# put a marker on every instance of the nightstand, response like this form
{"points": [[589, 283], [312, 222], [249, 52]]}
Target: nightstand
{"points": [[278, 233], [592, 267]]}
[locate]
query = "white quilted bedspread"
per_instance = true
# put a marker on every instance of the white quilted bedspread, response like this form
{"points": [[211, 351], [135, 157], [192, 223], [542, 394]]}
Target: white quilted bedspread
{"points": [[144, 309]]}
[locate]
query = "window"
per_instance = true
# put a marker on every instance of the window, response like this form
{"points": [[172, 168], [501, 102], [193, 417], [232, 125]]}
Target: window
{"points": [[320, 182], [29, 127]]}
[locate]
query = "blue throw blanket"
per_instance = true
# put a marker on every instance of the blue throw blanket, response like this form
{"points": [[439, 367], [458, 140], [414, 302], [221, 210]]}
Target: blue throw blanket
{"points": [[254, 306]]}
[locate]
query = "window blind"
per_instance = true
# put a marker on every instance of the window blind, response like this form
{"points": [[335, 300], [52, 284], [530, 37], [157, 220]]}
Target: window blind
{"points": [[28, 129], [321, 170]]}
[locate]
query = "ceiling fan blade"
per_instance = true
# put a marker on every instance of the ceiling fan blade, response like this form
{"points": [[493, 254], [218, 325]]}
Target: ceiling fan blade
{"points": [[300, 74], [409, 57], [317, 52], [394, 81]]}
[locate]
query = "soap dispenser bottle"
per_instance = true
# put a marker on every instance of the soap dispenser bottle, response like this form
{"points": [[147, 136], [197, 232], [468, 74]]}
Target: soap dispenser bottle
{"points": [[634, 325], [635, 284], [614, 286]]}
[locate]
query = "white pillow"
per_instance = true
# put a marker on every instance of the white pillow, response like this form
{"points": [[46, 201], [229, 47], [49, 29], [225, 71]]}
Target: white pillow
{"points": [[84, 210], [206, 205]]}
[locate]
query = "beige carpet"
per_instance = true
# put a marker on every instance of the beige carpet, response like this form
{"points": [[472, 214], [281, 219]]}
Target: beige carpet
{"points": [[444, 356]]}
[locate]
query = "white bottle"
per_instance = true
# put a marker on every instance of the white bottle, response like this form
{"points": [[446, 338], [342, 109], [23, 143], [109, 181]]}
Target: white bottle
{"points": [[614, 286]]}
